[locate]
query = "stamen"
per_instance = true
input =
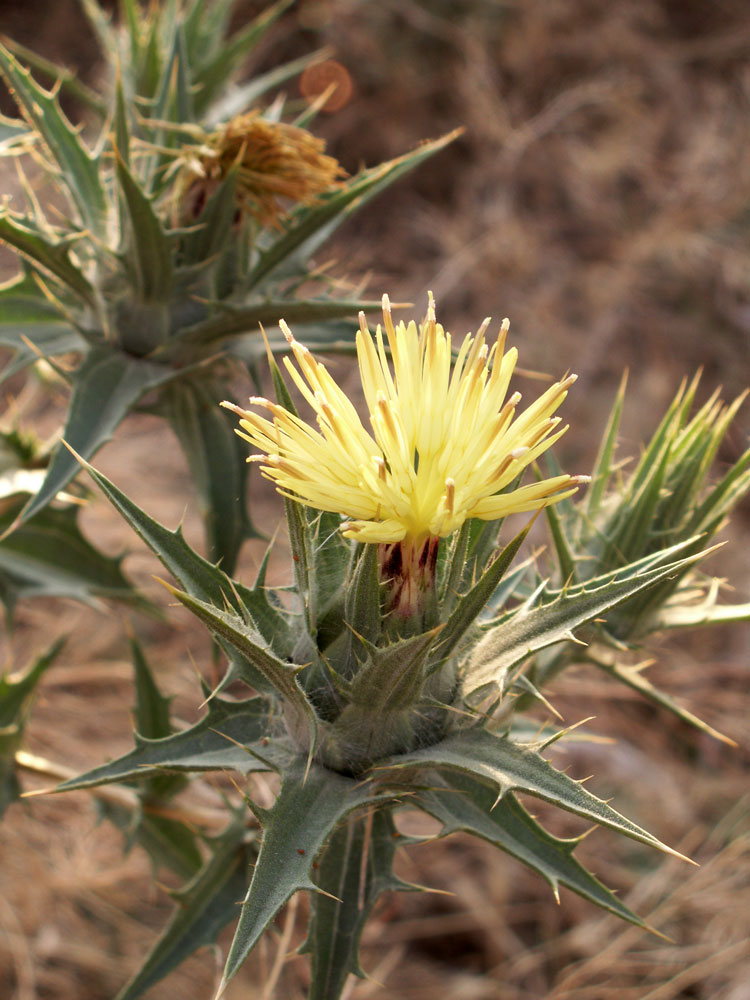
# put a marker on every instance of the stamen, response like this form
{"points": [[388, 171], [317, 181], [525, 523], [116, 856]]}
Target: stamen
{"points": [[450, 495]]}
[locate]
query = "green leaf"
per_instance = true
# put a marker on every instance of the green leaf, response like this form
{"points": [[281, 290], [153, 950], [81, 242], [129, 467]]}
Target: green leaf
{"points": [[527, 630], [107, 386], [603, 467], [151, 708], [311, 804], [12, 131], [15, 694], [217, 459], [213, 76], [267, 668], [633, 677], [15, 691], [354, 870], [249, 318], [205, 907], [147, 246], [169, 842], [59, 76], [51, 257], [198, 576], [219, 741], [310, 226], [508, 767], [470, 605], [79, 170], [48, 556], [469, 806]]}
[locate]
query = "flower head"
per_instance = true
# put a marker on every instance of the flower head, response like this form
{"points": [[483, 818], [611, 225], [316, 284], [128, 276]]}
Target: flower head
{"points": [[444, 441], [277, 165]]}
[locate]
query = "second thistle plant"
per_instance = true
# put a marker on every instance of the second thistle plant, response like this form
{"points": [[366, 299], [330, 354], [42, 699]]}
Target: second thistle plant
{"points": [[186, 225]]}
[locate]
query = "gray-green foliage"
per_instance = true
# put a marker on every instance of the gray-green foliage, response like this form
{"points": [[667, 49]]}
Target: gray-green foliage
{"points": [[667, 500], [359, 721]]}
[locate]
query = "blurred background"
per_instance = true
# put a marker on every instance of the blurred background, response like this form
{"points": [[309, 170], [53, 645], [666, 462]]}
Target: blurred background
{"points": [[599, 196]]}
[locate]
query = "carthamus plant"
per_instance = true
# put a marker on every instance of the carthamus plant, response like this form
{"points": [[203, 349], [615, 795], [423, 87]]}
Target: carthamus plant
{"points": [[396, 673], [187, 213]]}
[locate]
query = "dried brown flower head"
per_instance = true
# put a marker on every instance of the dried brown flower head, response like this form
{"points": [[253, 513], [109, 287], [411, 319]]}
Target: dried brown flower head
{"points": [[278, 165]]}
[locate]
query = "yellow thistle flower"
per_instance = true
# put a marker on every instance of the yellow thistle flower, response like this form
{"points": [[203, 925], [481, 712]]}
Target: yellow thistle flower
{"points": [[445, 442], [277, 165]]}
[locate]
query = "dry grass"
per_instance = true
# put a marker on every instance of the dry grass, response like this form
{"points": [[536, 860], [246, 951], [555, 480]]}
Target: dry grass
{"points": [[599, 197]]}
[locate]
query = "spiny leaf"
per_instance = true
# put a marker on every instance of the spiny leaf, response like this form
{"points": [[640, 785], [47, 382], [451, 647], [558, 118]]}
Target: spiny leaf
{"points": [[310, 226], [79, 170], [148, 249], [470, 605], [107, 386], [60, 76], [311, 804], [206, 905], [508, 767], [249, 642], [198, 576], [526, 631], [52, 257], [215, 743], [48, 556], [355, 868], [217, 462], [464, 804]]}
